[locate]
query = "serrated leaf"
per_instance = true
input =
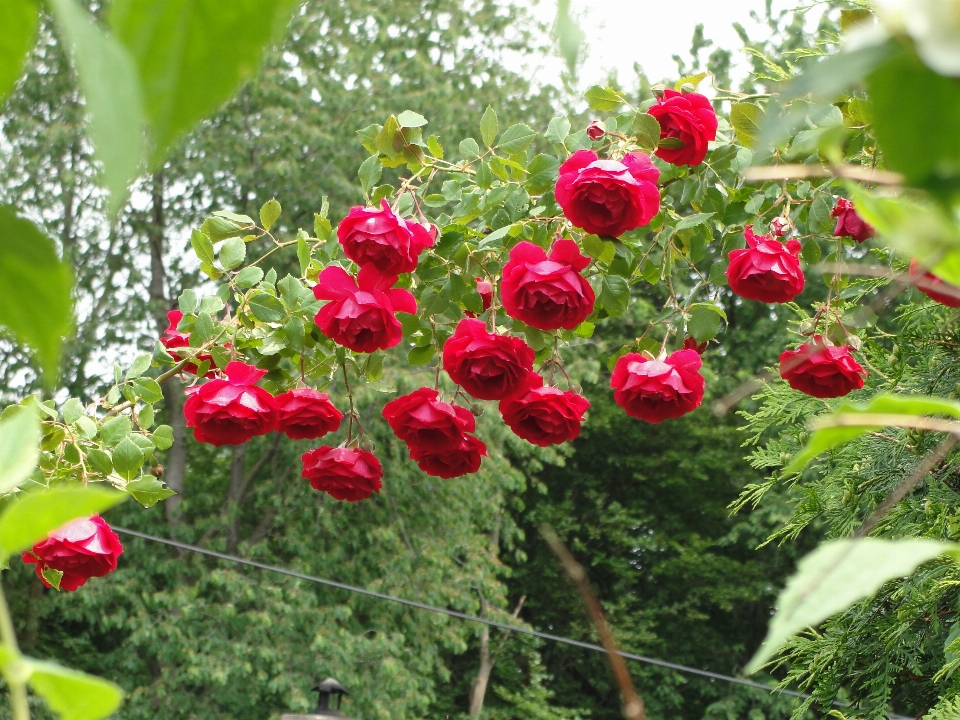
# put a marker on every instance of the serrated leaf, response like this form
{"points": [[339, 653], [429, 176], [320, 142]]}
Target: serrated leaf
{"points": [[303, 255], [163, 437], [614, 294], [115, 430], [219, 228], [646, 129], [127, 458], [202, 246], [232, 253], [747, 119], [267, 308], [148, 491], [322, 227], [704, 323], [72, 410], [469, 148], [99, 461], [370, 171], [516, 138], [71, 694], [148, 390], [557, 130], [248, 277], [693, 220], [603, 99], [269, 213], [421, 355], [139, 367], [489, 126]]}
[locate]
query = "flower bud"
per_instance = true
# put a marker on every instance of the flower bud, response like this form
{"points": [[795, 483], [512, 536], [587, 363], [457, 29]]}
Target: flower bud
{"points": [[577, 389], [658, 90], [807, 327], [596, 130], [476, 410], [779, 226], [687, 88], [367, 444], [854, 342]]}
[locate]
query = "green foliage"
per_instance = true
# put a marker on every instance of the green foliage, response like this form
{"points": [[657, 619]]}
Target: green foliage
{"points": [[22, 18]]}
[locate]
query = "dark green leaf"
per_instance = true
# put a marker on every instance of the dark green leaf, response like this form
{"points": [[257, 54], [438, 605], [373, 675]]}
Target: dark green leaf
{"points": [[20, 18], [704, 323], [127, 458], [614, 294], [99, 461], [421, 355], [516, 138], [810, 252]]}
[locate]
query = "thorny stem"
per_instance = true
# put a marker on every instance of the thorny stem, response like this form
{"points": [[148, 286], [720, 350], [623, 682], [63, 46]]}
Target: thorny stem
{"points": [[18, 685]]}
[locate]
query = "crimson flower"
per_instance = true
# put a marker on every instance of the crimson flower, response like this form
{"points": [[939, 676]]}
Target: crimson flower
{"points": [[655, 390], [821, 370], [305, 414], [607, 197], [849, 222], [361, 315], [768, 270], [463, 460], [544, 415], [349, 474], [426, 423], [172, 339], [691, 119], [81, 549], [487, 366], [596, 130], [547, 293], [383, 238], [231, 411], [933, 287]]}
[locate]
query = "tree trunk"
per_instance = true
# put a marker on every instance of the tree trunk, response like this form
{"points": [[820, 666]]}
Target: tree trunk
{"points": [[483, 674]]}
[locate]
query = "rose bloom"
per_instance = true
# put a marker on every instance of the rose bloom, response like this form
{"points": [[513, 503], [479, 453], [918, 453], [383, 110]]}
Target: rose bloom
{"points": [[382, 238], [607, 197], [849, 223], [689, 118], [305, 414], [485, 365], [231, 411], [544, 415], [172, 339], [821, 370], [933, 287], [655, 390], [547, 293], [349, 474], [464, 460], [361, 315], [768, 270], [426, 423], [81, 549]]}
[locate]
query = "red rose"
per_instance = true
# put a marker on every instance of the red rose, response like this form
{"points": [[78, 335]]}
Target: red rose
{"points": [[172, 339], [689, 118], [933, 287], [691, 344], [231, 411], [305, 414], [654, 390], [349, 474], [485, 290], [426, 423], [821, 370], [547, 293], [768, 270], [382, 238], [544, 415], [596, 130], [81, 549], [606, 197], [362, 314], [464, 460], [849, 223], [487, 366]]}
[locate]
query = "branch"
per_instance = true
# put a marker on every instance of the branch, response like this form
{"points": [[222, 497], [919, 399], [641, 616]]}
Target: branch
{"points": [[919, 422], [801, 171]]}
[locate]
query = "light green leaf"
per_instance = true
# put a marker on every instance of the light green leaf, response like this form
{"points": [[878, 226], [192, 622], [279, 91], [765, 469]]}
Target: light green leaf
{"points": [[192, 55], [72, 694], [557, 130], [704, 323], [221, 228], [370, 171], [163, 437], [693, 220], [248, 277], [148, 390], [127, 458], [469, 148], [19, 447], [421, 355], [269, 213], [145, 417], [303, 255], [139, 367], [692, 79], [489, 126], [72, 410], [35, 301], [32, 516], [569, 36], [115, 430], [99, 461], [267, 308], [747, 120], [516, 138], [410, 119], [148, 491], [835, 576], [244, 220], [232, 253], [20, 18], [603, 99], [646, 128], [108, 78]]}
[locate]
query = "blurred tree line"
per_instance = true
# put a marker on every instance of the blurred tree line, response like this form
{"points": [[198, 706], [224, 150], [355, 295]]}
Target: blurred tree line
{"points": [[643, 507]]}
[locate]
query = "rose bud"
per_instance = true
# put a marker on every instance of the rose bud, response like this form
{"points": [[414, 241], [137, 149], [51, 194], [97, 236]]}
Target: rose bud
{"points": [[361, 316], [485, 365], [81, 549], [655, 390], [172, 339], [768, 270], [485, 290], [849, 223], [933, 287], [305, 414], [231, 411], [384, 239], [688, 117], [779, 226], [607, 197], [821, 370], [596, 130], [544, 415], [349, 474], [547, 293], [426, 423], [464, 460]]}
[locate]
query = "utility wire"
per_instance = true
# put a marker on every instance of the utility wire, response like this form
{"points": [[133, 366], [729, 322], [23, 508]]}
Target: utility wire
{"points": [[472, 618]]}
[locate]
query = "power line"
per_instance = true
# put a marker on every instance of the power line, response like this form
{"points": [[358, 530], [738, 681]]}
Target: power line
{"points": [[471, 618]]}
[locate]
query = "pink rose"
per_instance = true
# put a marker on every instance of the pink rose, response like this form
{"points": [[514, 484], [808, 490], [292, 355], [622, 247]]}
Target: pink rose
{"points": [[849, 223]]}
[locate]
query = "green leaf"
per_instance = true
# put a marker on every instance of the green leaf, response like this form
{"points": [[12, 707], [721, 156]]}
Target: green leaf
{"points": [[692, 79], [127, 458], [32, 516], [163, 437], [139, 367], [646, 128], [232, 253], [826, 79], [828, 438], [835, 576], [187, 302], [72, 694], [35, 300], [248, 277], [192, 55], [370, 171], [810, 252], [693, 220], [557, 130], [704, 321], [421, 355], [747, 119], [202, 246], [410, 119], [303, 255], [322, 227], [20, 19], [148, 390], [220, 228], [19, 447], [603, 99], [570, 36], [269, 213], [202, 330], [72, 411], [543, 173], [516, 138], [148, 491], [469, 148], [108, 78], [267, 308], [489, 126], [614, 294], [115, 430], [99, 461]]}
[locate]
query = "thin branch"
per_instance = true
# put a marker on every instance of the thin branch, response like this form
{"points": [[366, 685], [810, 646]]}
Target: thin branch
{"points": [[801, 171], [919, 422]]}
